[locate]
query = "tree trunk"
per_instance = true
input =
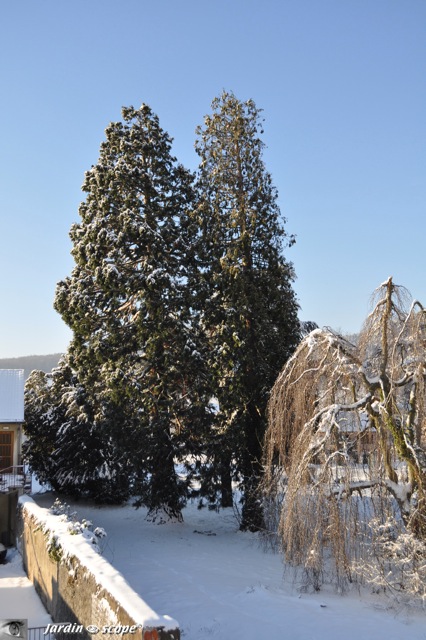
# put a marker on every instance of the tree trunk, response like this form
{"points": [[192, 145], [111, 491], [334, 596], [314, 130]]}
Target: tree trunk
{"points": [[226, 499], [252, 512], [164, 501]]}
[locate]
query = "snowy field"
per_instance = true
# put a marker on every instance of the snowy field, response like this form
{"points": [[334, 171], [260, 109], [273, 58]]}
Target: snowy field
{"points": [[219, 583]]}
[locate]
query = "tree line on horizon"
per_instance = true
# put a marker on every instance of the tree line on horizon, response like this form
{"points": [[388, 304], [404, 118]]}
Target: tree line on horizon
{"points": [[182, 312], [29, 363]]}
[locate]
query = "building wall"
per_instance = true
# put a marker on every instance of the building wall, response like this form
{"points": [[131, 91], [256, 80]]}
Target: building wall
{"points": [[16, 429], [12, 385]]}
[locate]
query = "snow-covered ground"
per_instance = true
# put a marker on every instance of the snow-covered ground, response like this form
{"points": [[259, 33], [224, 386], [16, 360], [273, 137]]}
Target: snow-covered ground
{"points": [[219, 583], [18, 598]]}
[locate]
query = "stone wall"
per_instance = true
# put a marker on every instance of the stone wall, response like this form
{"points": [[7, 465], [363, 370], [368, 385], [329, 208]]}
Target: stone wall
{"points": [[77, 585], [8, 502]]}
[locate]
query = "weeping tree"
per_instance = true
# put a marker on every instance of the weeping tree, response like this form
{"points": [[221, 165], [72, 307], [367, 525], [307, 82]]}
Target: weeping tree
{"points": [[345, 448]]}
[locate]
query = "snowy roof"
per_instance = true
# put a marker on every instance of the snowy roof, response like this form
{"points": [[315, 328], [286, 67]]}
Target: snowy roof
{"points": [[12, 395]]}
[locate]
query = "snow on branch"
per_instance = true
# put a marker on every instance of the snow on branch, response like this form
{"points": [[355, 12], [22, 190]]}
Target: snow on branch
{"points": [[347, 430]]}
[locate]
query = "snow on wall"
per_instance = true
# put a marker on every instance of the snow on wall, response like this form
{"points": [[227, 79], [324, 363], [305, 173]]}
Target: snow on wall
{"points": [[12, 395], [76, 551]]}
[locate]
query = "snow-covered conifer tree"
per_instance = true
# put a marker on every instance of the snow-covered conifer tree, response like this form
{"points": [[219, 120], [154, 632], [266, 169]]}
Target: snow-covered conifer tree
{"points": [[42, 416], [66, 446], [134, 347], [248, 307]]}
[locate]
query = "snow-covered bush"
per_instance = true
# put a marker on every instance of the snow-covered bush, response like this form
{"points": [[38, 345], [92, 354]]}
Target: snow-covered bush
{"points": [[394, 561], [75, 527]]}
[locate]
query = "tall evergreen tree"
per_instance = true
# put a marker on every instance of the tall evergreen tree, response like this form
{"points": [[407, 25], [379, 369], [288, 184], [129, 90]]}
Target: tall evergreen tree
{"points": [[134, 345], [247, 304]]}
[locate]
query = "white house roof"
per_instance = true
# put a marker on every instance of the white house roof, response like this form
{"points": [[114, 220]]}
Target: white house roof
{"points": [[12, 395]]}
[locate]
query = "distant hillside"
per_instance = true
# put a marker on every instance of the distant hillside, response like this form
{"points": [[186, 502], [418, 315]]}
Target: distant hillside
{"points": [[29, 363]]}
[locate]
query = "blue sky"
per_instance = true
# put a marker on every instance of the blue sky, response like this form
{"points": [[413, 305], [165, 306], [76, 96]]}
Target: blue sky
{"points": [[343, 87]]}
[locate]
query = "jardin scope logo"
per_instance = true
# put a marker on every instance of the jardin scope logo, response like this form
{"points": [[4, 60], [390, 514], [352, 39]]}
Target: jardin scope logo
{"points": [[11, 629], [116, 629]]}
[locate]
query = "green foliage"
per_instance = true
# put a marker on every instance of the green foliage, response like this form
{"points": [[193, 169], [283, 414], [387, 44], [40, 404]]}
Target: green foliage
{"points": [[127, 302], [54, 549], [180, 296], [66, 447], [42, 419], [247, 306]]}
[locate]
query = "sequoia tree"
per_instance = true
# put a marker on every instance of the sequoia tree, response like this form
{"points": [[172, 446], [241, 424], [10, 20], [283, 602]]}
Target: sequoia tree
{"points": [[345, 448], [134, 346], [247, 306]]}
